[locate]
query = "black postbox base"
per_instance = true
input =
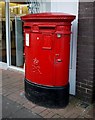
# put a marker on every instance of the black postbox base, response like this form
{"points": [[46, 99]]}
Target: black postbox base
{"points": [[52, 97]]}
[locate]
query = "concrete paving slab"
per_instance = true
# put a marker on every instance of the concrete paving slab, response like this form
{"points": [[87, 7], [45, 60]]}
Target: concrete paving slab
{"points": [[24, 113], [11, 109]]}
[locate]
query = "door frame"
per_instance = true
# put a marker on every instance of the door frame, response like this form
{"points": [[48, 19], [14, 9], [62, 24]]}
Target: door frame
{"points": [[8, 40]]}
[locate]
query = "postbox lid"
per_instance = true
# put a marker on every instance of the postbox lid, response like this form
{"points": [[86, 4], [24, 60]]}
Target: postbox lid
{"points": [[48, 16]]}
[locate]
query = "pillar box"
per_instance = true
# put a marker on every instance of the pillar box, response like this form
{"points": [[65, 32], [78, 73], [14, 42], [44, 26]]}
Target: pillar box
{"points": [[47, 53]]}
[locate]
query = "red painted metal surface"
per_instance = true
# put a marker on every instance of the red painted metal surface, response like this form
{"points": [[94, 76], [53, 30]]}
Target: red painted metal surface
{"points": [[47, 48]]}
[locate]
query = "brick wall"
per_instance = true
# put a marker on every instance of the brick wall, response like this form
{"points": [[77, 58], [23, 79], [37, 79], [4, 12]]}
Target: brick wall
{"points": [[86, 52]]}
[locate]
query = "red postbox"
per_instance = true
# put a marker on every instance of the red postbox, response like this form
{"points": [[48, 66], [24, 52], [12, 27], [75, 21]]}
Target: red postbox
{"points": [[47, 53]]}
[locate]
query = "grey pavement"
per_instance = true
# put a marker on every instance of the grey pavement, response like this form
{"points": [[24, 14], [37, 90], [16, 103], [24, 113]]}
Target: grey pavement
{"points": [[15, 105], [11, 109]]}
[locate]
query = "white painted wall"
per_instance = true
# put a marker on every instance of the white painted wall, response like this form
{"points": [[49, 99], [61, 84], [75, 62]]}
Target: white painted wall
{"points": [[66, 6], [45, 5]]}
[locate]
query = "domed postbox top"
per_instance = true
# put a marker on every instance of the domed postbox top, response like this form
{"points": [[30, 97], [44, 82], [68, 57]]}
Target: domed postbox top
{"points": [[48, 16]]}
